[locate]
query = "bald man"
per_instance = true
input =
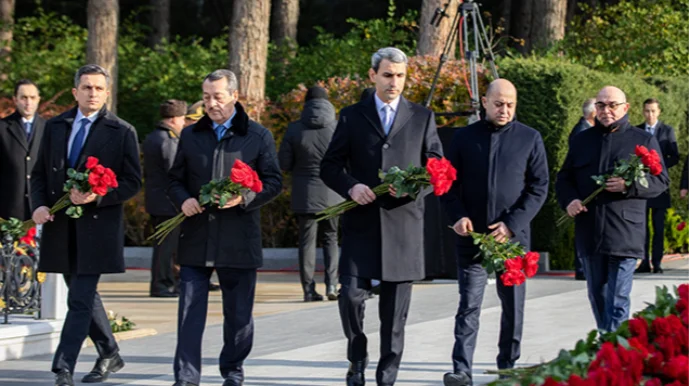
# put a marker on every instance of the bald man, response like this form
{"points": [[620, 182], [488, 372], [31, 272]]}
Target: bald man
{"points": [[502, 183], [610, 231]]}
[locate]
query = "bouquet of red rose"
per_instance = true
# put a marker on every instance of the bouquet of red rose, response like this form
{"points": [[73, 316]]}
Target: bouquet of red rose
{"points": [[508, 260], [217, 192], [633, 169], [439, 173]]}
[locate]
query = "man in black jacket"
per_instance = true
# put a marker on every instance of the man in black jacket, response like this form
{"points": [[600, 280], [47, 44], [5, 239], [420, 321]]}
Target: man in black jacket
{"points": [[20, 138], [225, 239], [502, 183], [304, 144], [159, 149], [586, 120], [657, 206], [610, 230], [382, 237], [85, 248]]}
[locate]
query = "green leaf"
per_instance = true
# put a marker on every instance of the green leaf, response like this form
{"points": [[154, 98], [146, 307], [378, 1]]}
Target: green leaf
{"points": [[643, 182], [71, 173]]}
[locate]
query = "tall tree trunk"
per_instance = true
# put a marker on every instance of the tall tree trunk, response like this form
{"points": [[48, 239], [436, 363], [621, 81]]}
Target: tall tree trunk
{"points": [[160, 21], [248, 48], [432, 39], [101, 46], [548, 22], [284, 18], [521, 24], [6, 26]]}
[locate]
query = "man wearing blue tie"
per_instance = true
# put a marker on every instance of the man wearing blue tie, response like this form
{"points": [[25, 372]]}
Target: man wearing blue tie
{"points": [[82, 249]]}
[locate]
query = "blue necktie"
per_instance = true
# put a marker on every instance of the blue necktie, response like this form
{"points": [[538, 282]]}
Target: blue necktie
{"points": [[220, 130], [77, 143], [27, 127], [387, 118]]}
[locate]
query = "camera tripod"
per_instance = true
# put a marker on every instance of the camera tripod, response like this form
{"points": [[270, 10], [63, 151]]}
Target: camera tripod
{"points": [[468, 11]]}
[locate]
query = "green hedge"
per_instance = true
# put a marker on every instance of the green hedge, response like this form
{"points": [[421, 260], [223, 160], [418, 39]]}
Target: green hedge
{"points": [[550, 96]]}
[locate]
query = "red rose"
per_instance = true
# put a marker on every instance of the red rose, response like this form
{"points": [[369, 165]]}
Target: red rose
{"points": [[113, 178], [680, 226], [653, 382], [31, 232], [677, 368], [106, 180], [530, 263], [91, 162], [684, 317], [257, 185], [100, 190], [441, 175], [514, 264], [94, 179], [655, 169], [441, 187], [683, 291], [98, 169], [641, 151], [512, 277], [638, 329], [242, 174]]}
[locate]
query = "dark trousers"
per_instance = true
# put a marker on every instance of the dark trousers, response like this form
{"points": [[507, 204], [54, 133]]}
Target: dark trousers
{"points": [[164, 257], [658, 219], [472, 281], [609, 282], [394, 302], [327, 232], [579, 256], [85, 317], [237, 286]]}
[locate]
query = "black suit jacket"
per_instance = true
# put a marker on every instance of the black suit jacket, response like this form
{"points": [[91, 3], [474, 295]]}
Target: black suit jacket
{"points": [[100, 231], [383, 240], [159, 149], [17, 158], [666, 137]]}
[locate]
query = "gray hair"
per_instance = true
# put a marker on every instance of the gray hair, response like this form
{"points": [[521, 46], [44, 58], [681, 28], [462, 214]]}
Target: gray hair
{"points": [[90, 69], [223, 73], [588, 107], [392, 54]]}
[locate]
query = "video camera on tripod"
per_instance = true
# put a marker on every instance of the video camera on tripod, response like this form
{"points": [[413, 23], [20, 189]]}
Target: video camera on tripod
{"points": [[467, 11]]}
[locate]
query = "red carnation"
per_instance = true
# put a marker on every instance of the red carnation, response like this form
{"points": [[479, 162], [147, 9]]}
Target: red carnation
{"points": [[638, 329], [680, 226], [242, 174], [640, 346], [661, 327], [655, 363], [28, 238], [575, 380], [91, 162], [653, 382], [677, 368], [530, 263], [683, 291], [551, 382]]}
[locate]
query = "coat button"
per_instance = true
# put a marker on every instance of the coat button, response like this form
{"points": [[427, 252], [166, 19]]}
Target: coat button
{"points": [[52, 192], [95, 217], [54, 169], [28, 158], [386, 146], [28, 176]]}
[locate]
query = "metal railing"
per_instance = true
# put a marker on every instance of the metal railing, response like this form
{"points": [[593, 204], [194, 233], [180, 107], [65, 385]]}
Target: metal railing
{"points": [[20, 281]]}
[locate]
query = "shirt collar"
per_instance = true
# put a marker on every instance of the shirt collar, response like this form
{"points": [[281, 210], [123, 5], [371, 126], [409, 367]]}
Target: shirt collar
{"points": [[79, 116], [393, 104], [227, 124], [25, 121], [652, 126]]}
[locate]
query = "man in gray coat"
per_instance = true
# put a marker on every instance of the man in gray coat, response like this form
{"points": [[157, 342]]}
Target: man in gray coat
{"points": [[301, 152]]}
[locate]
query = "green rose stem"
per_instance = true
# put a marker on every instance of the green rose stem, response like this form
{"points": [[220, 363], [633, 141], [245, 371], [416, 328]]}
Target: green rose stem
{"points": [[587, 200]]}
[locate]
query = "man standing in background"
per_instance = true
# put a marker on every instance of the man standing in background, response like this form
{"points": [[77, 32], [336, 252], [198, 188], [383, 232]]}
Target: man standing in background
{"points": [[657, 206], [159, 150], [20, 138]]}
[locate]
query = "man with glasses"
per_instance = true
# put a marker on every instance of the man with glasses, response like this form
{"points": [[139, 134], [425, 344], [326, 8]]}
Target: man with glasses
{"points": [[610, 230]]}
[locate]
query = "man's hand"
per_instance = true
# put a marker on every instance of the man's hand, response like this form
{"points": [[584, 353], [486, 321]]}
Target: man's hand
{"points": [[42, 215], [683, 193], [362, 194], [394, 192], [463, 226], [191, 206], [615, 185], [501, 232], [79, 198], [575, 207], [233, 201]]}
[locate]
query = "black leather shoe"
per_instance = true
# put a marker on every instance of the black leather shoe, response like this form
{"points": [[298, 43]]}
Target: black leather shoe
{"points": [[355, 373], [232, 382], [312, 297], [103, 368], [165, 294], [457, 379], [658, 270], [331, 293], [580, 276], [64, 378], [184, 383], [643, 268]]}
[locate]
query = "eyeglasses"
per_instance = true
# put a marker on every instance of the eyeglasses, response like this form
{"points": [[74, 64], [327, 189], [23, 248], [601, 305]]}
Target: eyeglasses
{"points": [[610, 105]]}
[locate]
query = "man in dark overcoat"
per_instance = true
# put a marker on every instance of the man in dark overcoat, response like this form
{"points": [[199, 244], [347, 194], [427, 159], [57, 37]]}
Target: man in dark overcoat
{"points": [[657, 206], [382, 237], [159, 148], [20, 138], [85, 248], [225, 239], [503, 179], [301, 151], [610, 229]]}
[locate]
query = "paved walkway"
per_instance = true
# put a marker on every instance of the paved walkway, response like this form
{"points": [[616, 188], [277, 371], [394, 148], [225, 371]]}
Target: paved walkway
{"points": [[299, 346]]}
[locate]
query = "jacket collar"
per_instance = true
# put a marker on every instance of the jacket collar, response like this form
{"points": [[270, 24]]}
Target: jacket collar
{"points": [[240, 123], [70, 115], [620, 125]]}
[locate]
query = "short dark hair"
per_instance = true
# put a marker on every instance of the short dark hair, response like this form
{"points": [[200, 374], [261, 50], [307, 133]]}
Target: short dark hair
{"points": [[650, 101], [173, 108], [91, 69], [24, 82]]}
